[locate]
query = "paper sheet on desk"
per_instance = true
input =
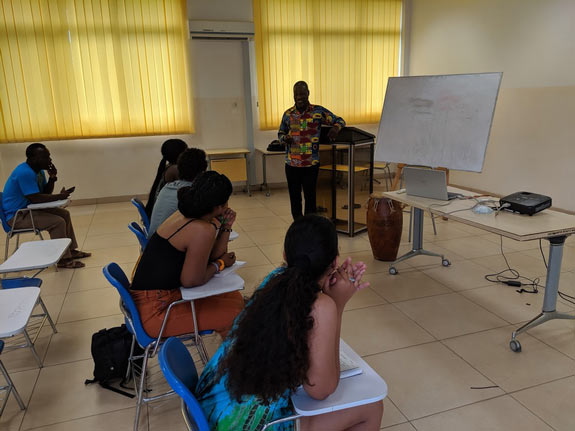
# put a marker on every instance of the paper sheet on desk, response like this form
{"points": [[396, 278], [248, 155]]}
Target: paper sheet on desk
{"points": [[54, 204], [231, 269]]}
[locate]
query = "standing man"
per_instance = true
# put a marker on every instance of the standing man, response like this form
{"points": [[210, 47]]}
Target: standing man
{"points": [[27, 184], [300, 130]]}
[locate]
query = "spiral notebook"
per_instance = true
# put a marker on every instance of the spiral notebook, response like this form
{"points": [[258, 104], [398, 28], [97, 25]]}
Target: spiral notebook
{"points": [[347, 366]]}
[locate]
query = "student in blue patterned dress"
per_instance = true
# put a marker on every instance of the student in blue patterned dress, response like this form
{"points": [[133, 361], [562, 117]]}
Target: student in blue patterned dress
{"points": [[288, 336]]}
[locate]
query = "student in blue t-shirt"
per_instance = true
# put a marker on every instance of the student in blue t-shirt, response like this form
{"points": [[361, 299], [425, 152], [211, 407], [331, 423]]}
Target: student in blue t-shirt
{"points": [[26, 185]]}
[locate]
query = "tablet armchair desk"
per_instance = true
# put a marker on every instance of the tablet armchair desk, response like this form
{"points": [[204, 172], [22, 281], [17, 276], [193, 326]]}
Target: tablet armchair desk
{"points": [[551, 225], [36, 255], [365, 388]]}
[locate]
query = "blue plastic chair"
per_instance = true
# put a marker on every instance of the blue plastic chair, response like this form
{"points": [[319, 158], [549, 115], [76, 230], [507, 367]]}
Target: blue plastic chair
{"points": [[118, 279], [11, 232], [143, 216], [180, 371], [140, 234], [9, 387]]}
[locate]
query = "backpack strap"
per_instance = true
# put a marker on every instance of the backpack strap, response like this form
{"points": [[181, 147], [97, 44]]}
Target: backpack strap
{"points": [[110, 388]]}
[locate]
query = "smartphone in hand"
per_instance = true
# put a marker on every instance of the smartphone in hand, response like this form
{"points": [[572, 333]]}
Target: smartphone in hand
{"points": [[71, 190]]}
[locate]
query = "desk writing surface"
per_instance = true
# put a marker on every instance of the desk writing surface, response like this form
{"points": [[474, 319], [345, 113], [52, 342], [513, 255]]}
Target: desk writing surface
{"points": [[16, 306], [226, 151], [36, 255], [365, 388], [54, 204], [215, 286], [545, 224]]}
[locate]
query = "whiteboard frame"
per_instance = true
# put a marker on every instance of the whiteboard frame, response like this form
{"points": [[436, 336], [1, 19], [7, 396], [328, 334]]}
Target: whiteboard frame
{"points": [[396, 148]]}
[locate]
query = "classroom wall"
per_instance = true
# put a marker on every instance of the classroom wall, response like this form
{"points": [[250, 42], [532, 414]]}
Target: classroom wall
{"points": [[116, 167], [533, 43], [530, 148]]}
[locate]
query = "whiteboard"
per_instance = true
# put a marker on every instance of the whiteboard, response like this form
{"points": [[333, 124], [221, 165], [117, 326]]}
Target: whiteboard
{"points": [[441, 120]]}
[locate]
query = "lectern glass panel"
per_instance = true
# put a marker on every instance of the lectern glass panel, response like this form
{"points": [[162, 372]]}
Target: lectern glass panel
{"points": [[346, 179]]}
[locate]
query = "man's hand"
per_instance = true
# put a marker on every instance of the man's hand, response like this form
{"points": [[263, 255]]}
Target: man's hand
{"points": [[288, 139], [64, 194], [52, 172], [333, 132]]}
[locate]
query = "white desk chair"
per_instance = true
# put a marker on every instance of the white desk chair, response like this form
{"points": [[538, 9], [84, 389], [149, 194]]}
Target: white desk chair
{"points": [[16, 308], [384, 166], [36, 255], [9, 227], [365, 388]]}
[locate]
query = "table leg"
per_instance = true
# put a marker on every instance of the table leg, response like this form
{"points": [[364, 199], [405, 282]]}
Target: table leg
{"points": [[548, 311], [397, 177], [264, 169], [248, 175], [417, 244]]}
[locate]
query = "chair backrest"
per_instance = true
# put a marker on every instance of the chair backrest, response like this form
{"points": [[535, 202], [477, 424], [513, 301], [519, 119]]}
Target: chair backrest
{"points": [[142, 210], [139, 232], [118, 279], [5, 224], [180, 372]]}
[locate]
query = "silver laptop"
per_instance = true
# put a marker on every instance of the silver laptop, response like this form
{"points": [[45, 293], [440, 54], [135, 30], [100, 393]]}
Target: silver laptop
{"points": [[427, 183]]}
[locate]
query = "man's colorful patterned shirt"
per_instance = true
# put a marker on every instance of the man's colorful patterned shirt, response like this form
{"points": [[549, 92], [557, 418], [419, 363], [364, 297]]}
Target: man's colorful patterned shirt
{"points": [[305, 129]]}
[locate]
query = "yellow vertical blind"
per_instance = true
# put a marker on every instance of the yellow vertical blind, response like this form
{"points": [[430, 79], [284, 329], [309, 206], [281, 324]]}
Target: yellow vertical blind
{"points": [[93, 68], [344, 49]]}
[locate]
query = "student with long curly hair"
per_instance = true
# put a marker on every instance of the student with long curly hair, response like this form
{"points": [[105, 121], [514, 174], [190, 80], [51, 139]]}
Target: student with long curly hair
{"points": [[288, 336]]}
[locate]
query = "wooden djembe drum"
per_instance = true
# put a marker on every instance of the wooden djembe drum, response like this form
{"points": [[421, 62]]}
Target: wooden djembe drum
{"points": [[384, 225]]}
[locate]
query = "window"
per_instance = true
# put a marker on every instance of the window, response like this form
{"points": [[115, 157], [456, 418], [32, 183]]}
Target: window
{"points": [[344, 49], [93, 68]]}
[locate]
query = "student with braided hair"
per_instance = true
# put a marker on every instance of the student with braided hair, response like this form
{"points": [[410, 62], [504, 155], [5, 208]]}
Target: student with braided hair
{"points": [[187, 250], [167, 169], [288, 336]]}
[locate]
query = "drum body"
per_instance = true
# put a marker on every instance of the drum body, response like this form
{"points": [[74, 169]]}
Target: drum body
{"points": [[384, 225]]}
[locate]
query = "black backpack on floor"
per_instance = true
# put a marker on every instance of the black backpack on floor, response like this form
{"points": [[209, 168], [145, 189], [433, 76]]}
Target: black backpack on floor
{"points": [[111, 353]]}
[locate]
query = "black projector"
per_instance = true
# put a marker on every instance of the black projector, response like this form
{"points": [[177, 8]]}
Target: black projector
{"points": [[525, 202]]}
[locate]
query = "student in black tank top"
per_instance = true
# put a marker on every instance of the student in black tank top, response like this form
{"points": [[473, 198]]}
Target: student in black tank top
{"points": [[187, 250]]}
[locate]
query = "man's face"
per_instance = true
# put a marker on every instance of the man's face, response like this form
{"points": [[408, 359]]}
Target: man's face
{"points": [[42, 158], [301, 97]]}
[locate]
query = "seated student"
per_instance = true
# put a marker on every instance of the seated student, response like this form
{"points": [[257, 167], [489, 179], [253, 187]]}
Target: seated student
{"points": [[191, 163], [27, 184], [288, 336], [187, 250], [167, 170]]}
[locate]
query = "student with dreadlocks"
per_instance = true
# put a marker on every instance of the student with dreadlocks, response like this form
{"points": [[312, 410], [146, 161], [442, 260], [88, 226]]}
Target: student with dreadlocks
{"points": [[187, 250], [288, 336]]}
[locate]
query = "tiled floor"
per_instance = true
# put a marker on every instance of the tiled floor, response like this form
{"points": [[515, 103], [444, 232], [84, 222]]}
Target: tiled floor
{"points": [[439, 336]]}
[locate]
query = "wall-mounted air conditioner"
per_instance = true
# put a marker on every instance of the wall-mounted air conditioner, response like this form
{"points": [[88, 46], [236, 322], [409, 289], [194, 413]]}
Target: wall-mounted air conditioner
{"points": [[221, 29]]}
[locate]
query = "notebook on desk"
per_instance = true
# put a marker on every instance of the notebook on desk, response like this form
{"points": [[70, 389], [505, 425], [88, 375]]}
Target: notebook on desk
{"points": [[347, 366], [230, 269], [427, 183]]}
